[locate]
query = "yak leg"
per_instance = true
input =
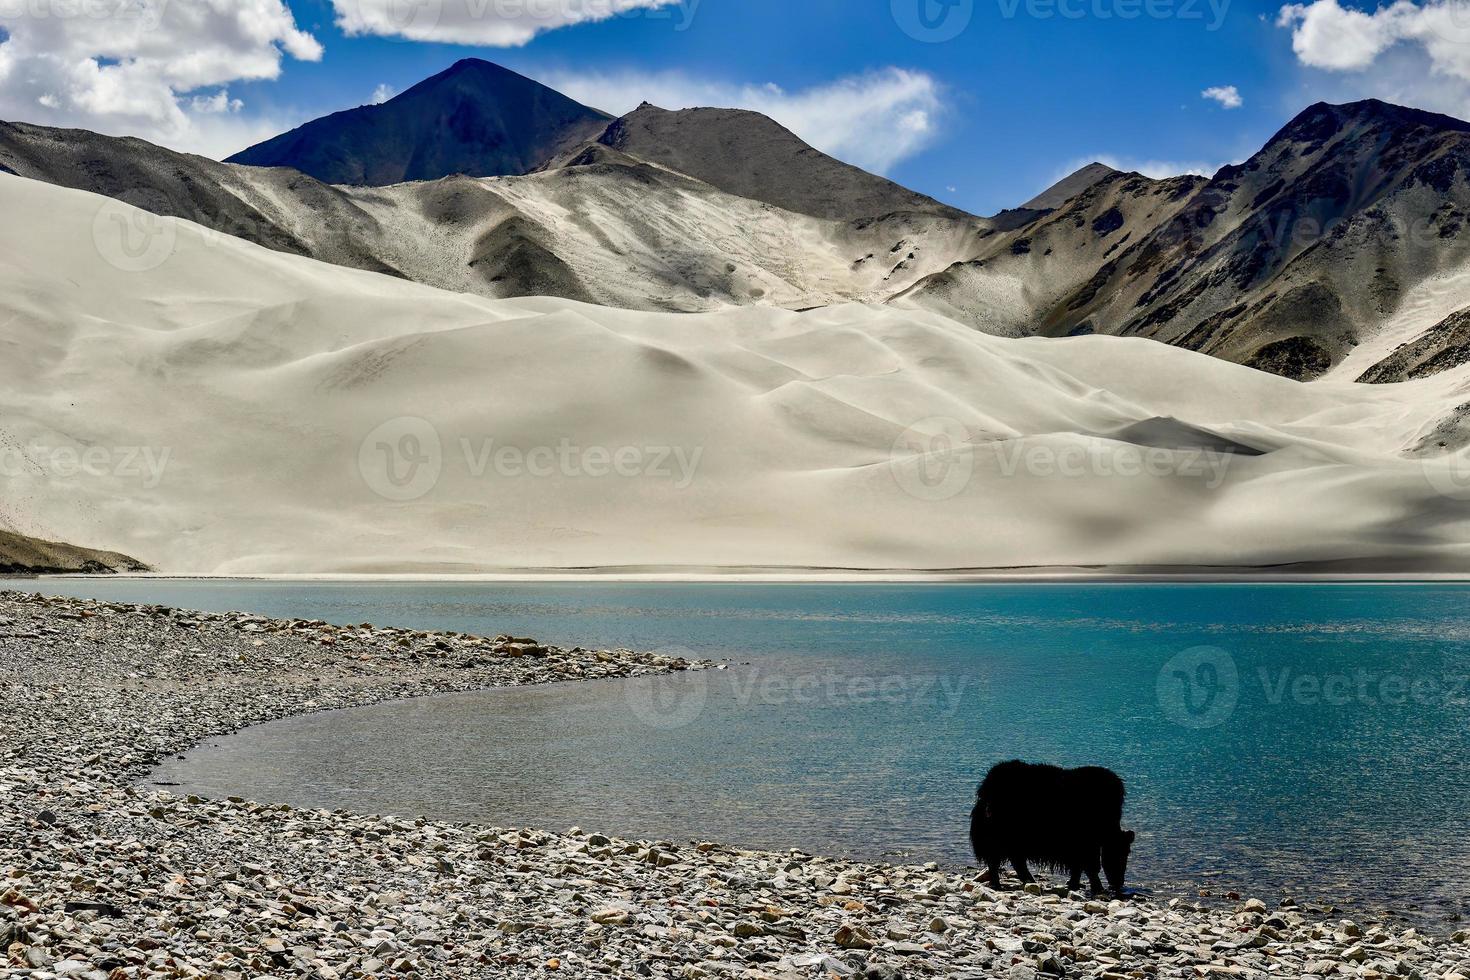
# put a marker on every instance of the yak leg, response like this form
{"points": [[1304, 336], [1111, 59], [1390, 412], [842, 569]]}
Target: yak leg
{"points": [[992, 863], [1019, 863], [1074, 883], [1094, 865]]}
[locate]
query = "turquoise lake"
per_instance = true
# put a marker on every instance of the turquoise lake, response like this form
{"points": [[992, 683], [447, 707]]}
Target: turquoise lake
{"points": [[1309, 739]]}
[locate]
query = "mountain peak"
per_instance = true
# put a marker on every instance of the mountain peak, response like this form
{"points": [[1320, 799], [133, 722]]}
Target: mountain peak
{"points": [[1322, 121], [475, 118], [751, 155], [1069, 187]]}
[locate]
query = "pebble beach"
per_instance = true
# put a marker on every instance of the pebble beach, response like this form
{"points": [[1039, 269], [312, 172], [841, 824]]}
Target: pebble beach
{"points": [[102, 878]]}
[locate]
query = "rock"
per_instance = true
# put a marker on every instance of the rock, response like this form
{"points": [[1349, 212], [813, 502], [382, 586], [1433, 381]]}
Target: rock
{"points": [[1050, 965], [100, 909], [882, 972]]}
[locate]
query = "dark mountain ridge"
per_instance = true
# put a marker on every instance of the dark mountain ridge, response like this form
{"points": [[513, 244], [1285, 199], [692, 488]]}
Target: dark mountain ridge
{"points": [[474, 118]]}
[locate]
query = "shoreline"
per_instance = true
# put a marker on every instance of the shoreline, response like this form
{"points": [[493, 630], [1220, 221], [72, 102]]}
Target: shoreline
{"points": [[1305, 575], [104, 879]]}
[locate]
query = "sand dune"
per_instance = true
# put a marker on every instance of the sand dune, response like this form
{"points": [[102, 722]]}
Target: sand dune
{"points": [[207, 405]]}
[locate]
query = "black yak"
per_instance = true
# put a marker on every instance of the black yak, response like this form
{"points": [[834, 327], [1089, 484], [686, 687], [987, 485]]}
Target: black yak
{"points": [[1058, 818]]}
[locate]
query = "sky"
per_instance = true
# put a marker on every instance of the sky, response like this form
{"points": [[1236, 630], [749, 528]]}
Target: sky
{"points": [[980, 103]]}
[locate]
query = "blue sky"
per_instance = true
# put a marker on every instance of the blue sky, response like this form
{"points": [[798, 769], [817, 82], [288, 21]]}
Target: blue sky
{"points": [[978, 102]]}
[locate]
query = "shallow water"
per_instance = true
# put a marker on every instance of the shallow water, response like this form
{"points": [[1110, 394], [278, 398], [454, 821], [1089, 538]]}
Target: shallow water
{"points": [[1274, 737]]}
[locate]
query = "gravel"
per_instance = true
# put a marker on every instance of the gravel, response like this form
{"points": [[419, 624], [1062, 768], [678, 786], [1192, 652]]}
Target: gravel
{"points": [[102, 879]]}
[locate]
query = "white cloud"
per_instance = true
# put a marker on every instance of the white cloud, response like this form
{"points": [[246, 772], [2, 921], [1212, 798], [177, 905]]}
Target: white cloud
{"points": [[1404, 51], [218, 102], [1227, 95], [873, 121], [495, 23], [137, 67], [383, 93]]}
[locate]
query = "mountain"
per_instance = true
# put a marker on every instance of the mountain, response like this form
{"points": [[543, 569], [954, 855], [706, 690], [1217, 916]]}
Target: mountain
{"points": [[752, 156], [1058, 194], [1324, 253], [1027, 274], [474, 118], [1287, 262], [230, 200], [327, 420], [20, 555], [610, 229]]}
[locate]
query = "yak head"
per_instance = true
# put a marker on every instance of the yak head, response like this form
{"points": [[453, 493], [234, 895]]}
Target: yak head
{"points": [[1115, 851]]}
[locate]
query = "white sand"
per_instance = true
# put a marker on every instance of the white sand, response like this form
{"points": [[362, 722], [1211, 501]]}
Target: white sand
{"points": [[1424, 307], [265, 378]]}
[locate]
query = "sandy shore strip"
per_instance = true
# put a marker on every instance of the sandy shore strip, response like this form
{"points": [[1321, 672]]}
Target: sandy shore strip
{"points": [[100, 879]]}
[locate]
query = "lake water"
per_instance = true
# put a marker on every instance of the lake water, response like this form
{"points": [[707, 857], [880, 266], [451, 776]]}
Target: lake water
{"points": [[1309, 739]]}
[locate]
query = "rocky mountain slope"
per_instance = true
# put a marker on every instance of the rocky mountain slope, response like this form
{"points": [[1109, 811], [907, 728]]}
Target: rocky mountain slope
{"points": [[474, 118], [20, 555], [1320, 255], [1286, 262]]}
